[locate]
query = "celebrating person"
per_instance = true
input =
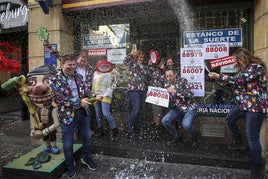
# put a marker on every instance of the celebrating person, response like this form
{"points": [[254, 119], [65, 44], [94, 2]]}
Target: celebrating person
{"points": [[84, 68], [181, 106], [250, 92], [72, 98], [103, 85], [137, 88], [158, 78]]}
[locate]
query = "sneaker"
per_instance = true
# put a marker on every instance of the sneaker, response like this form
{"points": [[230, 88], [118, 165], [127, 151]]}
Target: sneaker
{"points": [[131, 137], [100, 132], [71, 174], [55, 150], [237, 145], [257, 172], [114, 134], [91, 165], [47, 149], [195, 141], [174, 141]]}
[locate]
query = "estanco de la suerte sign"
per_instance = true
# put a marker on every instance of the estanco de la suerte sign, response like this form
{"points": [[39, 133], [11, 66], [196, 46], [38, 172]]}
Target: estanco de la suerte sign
{"points": [[13, 15], [197, 38]]}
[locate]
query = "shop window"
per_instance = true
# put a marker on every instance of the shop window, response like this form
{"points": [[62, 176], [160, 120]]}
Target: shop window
{"points": [[10, 59], [216, 96], [107, 42]]}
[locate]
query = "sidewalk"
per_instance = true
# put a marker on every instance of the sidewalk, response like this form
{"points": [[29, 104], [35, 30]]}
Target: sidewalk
{"points": [[149, 157]]}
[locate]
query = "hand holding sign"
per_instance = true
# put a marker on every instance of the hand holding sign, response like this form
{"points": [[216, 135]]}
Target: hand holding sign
{"points": [[213, 75], [221, 62]]}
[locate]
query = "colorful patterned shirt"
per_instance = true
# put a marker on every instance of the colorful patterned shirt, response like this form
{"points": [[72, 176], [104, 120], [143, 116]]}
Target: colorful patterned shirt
{"points": [[139, 74], [184, 97], [63, 97], [158, 77], [249, 88]]}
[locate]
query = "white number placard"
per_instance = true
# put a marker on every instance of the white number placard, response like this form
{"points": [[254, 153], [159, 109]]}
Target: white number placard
{"points": [[157, 96]]}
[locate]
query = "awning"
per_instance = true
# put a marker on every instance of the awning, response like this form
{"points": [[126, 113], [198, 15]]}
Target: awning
{"points": [[74, 5]]}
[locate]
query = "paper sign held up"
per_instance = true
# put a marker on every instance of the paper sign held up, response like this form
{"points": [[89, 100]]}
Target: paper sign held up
{"points": [[157, 96], [221, 62]]}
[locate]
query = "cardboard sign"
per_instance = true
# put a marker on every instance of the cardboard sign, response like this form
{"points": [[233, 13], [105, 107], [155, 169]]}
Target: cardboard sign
{"points": [[157, 96]]}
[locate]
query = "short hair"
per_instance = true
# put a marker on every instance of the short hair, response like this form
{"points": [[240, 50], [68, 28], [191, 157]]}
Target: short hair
{"points": [[139, 53], [83, 54], [174, 70], [65, 58]]}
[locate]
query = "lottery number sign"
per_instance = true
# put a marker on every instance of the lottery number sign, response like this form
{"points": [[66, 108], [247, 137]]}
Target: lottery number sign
{"points": [[192, 65], [157, 96]]}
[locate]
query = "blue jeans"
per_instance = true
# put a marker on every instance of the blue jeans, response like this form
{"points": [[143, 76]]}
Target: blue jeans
{"points": [[103, 110], [82, 121], [187, 121], [253, 128], [137, 99]]}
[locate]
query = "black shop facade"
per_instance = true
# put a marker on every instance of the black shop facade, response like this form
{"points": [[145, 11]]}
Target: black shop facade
{"points": [[200, 36]]}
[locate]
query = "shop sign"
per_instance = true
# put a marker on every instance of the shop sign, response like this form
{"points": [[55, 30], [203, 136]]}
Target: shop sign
{"points": [[49, 58], [13, 17], [97, 52], [198, 38], [214, 109], [116, 56], [216, 50], [106, 36], [221, 62]]}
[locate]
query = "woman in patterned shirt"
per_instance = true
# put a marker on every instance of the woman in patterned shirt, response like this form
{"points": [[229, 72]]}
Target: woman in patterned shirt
{"points": [[139, 74], [250, 92]]}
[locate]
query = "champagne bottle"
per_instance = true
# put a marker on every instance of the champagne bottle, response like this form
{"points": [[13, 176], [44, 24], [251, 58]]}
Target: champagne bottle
{"points": [[12, 82], [92, 100]]}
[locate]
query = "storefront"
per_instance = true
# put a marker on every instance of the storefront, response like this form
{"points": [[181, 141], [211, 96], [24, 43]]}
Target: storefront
{"points": [[109, 31], [13, 49]]}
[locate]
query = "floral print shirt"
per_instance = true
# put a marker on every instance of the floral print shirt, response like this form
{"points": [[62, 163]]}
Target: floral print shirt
{"points": [[62, 95], [249, 88], [139, 74], [158, 77], [184, 97]]}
